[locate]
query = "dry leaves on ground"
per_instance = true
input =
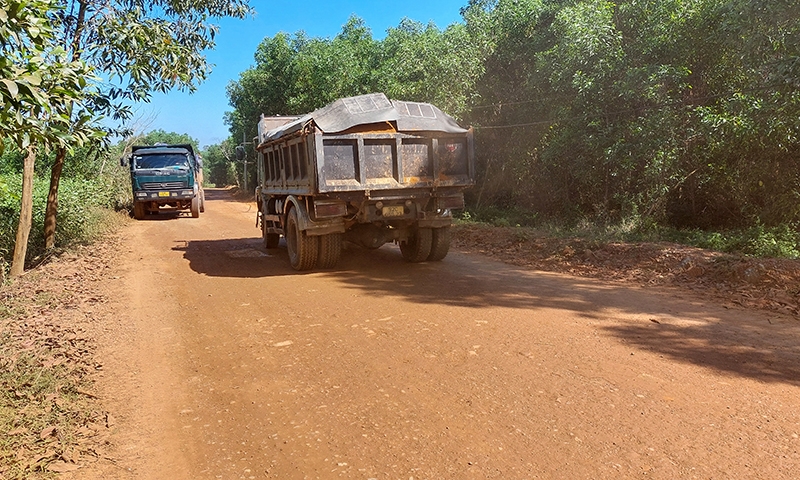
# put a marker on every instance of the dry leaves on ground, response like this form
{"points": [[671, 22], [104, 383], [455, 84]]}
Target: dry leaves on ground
{"points": [[768, 284], [49, 419]]}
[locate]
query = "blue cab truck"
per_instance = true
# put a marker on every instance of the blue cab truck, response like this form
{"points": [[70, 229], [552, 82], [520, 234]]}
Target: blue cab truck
{"points": [[165, 176], [367, 170]]}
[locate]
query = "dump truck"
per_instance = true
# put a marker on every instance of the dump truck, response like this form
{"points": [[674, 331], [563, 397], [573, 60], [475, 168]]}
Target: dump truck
{"points": [[362, 169], [165, 176]]}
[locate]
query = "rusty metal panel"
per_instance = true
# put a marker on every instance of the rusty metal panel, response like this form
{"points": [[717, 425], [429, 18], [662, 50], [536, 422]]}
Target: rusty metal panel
{"points": [[341, 157], [416, 157], [379, 161]]}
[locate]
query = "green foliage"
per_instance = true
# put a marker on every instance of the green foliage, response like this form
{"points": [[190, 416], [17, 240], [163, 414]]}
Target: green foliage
{"points": [[86, 211], [758, 241], [218, 164], [46, 96], [170, 138], [295, 74], [685, 112], [145, 46]]}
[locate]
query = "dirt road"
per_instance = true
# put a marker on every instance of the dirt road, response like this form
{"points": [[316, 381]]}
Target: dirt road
{"points": [[219, 361]]}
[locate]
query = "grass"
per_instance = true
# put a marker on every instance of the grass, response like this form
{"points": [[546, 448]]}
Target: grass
{"points": [[760, 241], [87, 211]]}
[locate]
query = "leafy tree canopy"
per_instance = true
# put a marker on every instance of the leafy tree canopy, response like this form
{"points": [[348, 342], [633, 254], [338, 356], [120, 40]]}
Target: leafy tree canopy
{"points": [[171, 138], [45, 95], [295, 74]]}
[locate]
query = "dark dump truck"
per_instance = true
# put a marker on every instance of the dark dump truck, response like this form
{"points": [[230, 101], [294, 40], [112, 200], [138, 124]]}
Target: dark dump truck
{"points": [[165, 176], [364, 169]]}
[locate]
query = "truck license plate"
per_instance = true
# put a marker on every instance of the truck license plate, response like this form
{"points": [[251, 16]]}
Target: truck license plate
{"points": [[393, 211], [163, 194]]}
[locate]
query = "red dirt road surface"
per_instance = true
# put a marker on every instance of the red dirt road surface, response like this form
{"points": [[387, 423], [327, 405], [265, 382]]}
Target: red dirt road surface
{"points": [[221, 362]]}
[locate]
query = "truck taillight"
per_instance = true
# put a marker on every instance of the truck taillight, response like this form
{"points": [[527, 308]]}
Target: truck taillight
{"points": [[329, 209]]}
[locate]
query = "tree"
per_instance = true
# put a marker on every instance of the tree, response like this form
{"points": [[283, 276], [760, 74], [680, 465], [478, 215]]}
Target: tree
{"points": [[140, 47], [170, 138], [295, 74], [218, 163], [42, 94]]}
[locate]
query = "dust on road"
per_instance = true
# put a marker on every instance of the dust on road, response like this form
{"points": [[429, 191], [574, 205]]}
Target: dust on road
{"points": [[222, 362]]}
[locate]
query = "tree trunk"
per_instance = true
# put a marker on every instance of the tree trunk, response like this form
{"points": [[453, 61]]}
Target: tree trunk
{"points": [[51, 212], [25, 214]]}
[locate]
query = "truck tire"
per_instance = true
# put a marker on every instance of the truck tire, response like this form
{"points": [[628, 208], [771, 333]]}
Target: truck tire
{"points": [[330, 250], [271, 240], [418, 246], [303, 250], [138, 210], [440, 244], [202, 201], [196, 206]]}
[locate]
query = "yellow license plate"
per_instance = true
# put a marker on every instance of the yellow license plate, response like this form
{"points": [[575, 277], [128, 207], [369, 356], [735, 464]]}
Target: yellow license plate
{"points": [[394, 211], [163, 194]]}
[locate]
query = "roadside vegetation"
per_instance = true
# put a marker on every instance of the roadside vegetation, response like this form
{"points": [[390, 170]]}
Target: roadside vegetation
{"points": [[595, 123], [656, 120], [781, 241]]}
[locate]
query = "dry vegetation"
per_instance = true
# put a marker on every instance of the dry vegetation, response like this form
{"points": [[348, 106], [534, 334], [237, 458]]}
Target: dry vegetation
{"points": [[768, 284], [50, 419]]}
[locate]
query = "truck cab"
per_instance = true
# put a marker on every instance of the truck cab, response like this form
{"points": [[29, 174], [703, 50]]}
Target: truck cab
{"points": [[165, 176]]}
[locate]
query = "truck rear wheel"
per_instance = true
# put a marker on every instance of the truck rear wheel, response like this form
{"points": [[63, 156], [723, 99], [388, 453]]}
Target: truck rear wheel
{"points": [[440, 244], [138, 210], [330, 250], [196, 206], [303, 250], [202, 201], [418, 246]]}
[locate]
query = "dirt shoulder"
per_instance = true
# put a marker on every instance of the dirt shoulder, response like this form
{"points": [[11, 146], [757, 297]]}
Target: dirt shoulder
{"points": [[51, 419], [731, 280]]}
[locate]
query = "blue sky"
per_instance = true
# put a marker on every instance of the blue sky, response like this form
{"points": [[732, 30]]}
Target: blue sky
{"points": [[201, 114]]}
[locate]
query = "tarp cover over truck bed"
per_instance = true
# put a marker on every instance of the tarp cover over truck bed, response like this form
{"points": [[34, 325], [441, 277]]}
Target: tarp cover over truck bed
{"points": [[349, 112]]}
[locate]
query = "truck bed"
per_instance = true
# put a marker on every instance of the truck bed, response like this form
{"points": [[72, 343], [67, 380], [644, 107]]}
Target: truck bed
{"points": [[376, 150]]}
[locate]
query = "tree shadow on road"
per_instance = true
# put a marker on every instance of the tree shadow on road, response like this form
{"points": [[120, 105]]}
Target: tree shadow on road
{"points": [[737, 342], [748, 347], [757, 345]]}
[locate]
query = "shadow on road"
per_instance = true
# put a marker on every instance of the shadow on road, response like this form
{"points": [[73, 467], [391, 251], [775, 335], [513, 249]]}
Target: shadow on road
{"points": [[737, 342], [236, 257], [164, 215], [759, 350]]}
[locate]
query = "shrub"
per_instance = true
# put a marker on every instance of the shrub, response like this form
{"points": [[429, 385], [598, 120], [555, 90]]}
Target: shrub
{"points": [[84, 213]]}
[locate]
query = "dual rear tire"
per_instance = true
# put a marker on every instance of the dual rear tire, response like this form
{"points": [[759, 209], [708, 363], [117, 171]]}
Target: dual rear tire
{"points": [[426, 244], [305, 251]]}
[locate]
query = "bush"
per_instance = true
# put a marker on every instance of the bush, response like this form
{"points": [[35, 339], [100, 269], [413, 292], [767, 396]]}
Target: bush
{"points": [[782, 241], [86, 209]]}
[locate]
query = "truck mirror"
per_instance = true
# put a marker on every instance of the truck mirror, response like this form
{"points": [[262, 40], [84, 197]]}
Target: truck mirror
{"points": [[240, 153], [123, 162]]}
